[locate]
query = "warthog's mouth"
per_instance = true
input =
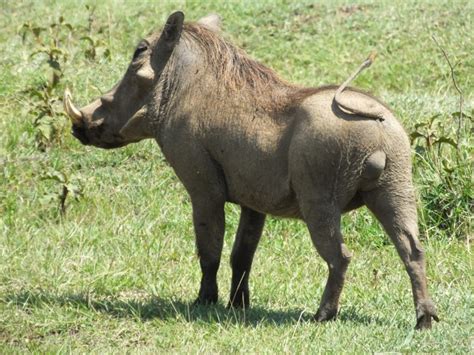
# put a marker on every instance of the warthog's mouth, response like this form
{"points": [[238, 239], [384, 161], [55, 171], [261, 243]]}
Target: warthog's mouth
{"points": [[89, 132], [110, 145], [80, 133]]}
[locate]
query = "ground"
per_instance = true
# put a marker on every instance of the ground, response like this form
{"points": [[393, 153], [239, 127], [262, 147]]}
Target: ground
{"points": [[116, 270]]}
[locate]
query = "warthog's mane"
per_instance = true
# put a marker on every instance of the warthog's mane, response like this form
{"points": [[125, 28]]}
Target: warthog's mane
{"points": [[229, 62], [243, 75], [240, 73]]}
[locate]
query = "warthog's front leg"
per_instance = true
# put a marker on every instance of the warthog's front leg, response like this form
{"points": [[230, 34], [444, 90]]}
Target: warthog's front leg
{"points": [[206, 186], [246, 242], [208, 217]]}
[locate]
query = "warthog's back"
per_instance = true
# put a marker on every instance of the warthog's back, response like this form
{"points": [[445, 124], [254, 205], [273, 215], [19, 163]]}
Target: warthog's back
{"points": [[353, 130]]}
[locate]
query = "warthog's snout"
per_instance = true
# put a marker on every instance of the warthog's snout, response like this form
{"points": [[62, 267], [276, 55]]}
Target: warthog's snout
{"points": [[88, 124], [80, 133]]}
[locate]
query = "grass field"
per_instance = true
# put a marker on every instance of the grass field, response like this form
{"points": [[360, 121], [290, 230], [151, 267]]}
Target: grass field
{"points": [[116, 270]]}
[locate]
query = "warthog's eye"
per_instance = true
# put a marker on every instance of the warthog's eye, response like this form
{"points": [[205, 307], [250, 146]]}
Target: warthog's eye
{"points": [[141, 48]]}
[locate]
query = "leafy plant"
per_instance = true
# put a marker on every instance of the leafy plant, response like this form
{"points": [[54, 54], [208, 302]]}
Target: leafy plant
{"points": [[51, 43], [433, 132], [49, 122], [444, 161], [93, 46], [68, 186]]}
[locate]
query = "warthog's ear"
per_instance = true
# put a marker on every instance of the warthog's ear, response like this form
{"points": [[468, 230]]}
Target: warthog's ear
{"points": [[211, 21], [137, 127], [173, 27], [169, 38]]}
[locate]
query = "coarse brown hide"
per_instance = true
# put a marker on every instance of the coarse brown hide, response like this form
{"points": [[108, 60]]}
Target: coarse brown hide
{"points": [[233, 131]]}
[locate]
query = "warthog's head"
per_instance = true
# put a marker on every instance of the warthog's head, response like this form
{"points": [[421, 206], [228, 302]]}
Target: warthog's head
{"points": [[119, 117]]}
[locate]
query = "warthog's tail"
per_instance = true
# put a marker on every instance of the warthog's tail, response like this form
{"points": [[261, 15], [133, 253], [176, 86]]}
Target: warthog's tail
{"points": [[356, 102]]}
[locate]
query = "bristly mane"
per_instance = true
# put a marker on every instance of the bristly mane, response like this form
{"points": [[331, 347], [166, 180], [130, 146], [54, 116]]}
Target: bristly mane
{"points": [[241, 74], [231, 63], [238, 72]]}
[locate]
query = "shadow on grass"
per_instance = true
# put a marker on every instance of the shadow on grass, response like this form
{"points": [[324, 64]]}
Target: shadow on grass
{"points": [[146, 308]]}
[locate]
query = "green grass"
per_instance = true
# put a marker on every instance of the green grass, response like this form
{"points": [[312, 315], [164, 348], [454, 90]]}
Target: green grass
{"points": [[119, 272]]}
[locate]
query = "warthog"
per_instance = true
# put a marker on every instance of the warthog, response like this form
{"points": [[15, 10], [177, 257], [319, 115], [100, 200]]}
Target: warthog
{"points": [[233, 131]]}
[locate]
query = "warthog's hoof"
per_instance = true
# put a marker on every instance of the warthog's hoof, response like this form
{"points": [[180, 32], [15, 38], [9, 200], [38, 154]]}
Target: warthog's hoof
{"points": [[424, 322], [424, 313], [208, 294], [237, 304], [205, 300], [324, 315], [239, 299]]}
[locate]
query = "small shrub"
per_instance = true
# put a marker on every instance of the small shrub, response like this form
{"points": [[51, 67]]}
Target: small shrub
{"points": [[66, 186], [443, 160], [52, 44]]}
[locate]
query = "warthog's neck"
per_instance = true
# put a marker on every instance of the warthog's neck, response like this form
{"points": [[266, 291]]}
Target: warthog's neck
{"points": [[209, 77]]}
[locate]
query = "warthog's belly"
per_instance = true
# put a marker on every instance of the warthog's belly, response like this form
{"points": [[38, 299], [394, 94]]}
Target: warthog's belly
{"points": [[269, 193], [253, 155]]}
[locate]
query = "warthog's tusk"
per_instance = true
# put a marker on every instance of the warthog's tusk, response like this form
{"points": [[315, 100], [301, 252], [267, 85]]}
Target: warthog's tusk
{"points": [[72, 111]]}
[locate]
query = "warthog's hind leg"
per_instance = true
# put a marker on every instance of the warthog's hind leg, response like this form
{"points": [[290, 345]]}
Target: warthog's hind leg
{"points": [[395, 208], [324, 226], [246, 241]]}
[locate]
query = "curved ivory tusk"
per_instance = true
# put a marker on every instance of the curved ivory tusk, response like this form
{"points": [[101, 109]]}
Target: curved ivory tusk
{"points": [[72, 111]]}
